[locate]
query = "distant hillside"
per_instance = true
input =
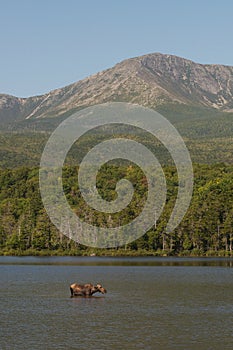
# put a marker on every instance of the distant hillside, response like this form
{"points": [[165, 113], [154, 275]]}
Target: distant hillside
{"points": [[196, 98], [152, 80]]}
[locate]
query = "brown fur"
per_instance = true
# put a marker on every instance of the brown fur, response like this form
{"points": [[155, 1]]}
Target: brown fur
{"points": [[87, 289]]}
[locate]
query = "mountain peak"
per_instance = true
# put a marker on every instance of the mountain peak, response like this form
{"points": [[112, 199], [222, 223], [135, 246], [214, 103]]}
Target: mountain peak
{"points": [[152, 80]]}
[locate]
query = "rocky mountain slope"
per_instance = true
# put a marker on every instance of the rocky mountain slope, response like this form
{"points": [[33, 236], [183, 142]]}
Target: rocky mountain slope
{"points": [[152, 80]]}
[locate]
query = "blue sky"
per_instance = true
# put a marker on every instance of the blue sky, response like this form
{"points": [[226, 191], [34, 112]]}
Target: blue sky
{"points": [[50, 44]]}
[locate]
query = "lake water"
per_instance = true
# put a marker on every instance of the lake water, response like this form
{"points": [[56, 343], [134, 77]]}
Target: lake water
{"points": [[152, 303]]}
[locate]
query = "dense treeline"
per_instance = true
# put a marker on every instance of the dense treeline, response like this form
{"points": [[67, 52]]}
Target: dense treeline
{"points": [[207, 228], [25, 149]]}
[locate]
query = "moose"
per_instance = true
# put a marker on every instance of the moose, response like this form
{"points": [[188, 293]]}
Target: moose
{"points": [[86, 290]]}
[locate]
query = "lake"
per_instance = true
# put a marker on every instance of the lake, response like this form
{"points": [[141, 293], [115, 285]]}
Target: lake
{"points": [[152, 303]]}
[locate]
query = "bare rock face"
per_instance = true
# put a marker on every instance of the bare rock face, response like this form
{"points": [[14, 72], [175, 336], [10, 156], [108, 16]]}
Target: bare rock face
{"points": [[208, 85], [151, 80]]}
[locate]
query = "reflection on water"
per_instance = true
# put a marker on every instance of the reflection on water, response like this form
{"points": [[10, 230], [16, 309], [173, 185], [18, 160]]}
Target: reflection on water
{"points": [[116, 261], [152, 303]]}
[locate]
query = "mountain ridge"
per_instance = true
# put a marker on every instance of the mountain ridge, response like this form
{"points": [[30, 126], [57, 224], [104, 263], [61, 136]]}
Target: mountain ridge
{"points": [[152, 80], [195, 98]]}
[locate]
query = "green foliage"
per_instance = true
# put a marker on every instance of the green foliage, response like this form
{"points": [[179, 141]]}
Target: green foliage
{"points": [[206, 131], [207, 228]]}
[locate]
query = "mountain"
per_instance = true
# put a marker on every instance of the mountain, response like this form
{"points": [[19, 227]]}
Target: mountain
{"points": [[196, 98], [153, 80]]}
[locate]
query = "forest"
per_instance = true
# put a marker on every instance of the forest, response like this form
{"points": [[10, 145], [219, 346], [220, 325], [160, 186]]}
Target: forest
{"points": [[206, 229]]}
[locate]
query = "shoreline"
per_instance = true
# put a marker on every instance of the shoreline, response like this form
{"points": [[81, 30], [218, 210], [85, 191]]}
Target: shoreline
{"points": [[117, 253]]}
